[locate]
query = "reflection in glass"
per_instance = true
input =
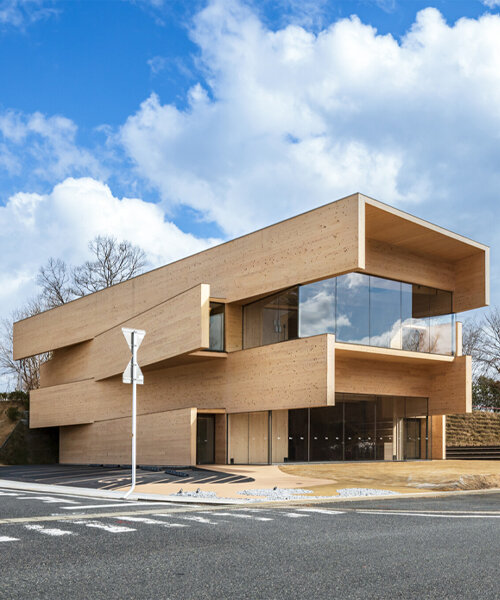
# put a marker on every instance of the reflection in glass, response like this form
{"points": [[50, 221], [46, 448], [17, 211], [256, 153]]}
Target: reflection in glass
{"points": [[378, 312], [326, 431], [360, 427], [271, 320], [298, 435], [352, 314], [359, 430], [317, 308], [216, 329], [385, 313]]}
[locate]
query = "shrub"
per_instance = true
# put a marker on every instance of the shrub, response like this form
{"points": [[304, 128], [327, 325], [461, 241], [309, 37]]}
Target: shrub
{"points": [[13, 413]]}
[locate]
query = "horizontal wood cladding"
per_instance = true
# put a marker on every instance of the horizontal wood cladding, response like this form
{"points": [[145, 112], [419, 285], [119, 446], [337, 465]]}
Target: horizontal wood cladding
{"points": [[311, 246], [167, 438], [447, 384], [386, 260], [473, 282], [175, 327], [451, 391], [293, 374], [67, 365], [67, 404]]}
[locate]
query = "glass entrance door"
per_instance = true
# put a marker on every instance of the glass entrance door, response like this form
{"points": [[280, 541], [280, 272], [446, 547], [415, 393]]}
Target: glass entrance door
{"points": [[205, 440], [412, 438]]}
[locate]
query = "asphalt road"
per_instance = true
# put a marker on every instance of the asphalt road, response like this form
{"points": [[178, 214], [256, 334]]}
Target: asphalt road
{"points": [[55, 547]]}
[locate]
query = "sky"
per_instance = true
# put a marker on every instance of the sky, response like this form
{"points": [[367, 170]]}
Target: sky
{"points": [[180, 124]]}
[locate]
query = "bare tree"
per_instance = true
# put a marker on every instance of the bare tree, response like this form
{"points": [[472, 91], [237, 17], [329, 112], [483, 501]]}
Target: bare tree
{"points": [[473, 345], [490, 342], [55, 280], [114, 262], [25, 372]]}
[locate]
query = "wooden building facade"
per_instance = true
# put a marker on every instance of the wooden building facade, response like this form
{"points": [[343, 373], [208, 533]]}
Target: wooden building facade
{"points": [[328, 336]]}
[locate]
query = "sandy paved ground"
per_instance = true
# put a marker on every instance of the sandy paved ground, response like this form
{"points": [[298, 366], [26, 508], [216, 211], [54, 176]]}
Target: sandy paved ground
{"points": [[405, 477], [325, 479]]}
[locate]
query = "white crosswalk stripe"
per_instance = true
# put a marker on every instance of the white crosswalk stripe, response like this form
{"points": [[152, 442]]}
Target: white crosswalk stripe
{"points": [[105, 526], [51, 500], [321, 511], [85, 506], [52, 531], [194, 518], [149, 521], [6, 538], [294, 515], [238, 515]]}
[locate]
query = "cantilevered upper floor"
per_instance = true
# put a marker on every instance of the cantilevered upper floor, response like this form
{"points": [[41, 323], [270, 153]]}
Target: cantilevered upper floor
{"points": [[363, 253]]}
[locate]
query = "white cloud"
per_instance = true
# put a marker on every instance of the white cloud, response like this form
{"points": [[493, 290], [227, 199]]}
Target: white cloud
{"points": [[61, 223], [491, 3], [44, 146], [287, 120], [19, 13]]}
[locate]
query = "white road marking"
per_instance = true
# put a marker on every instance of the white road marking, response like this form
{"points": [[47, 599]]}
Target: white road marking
{"points": [[6, 538], [148, 521], [295, 515], [194, 518], [8, 494], [49, 531], [50, 500], [108, 528], [321, 511], [430, 515], [105, 505], [240, 516]]}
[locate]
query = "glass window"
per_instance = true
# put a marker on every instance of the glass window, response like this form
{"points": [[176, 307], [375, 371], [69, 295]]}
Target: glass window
{"points": [[288, 319], [317, 308], [359, 430], [385, 313], [216, 331], [352, 310], [271, 320], [326, 433], [298, 435]]}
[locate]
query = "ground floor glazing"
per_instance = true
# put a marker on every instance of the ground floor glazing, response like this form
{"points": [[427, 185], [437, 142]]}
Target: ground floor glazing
{"points": [[357, 427]]}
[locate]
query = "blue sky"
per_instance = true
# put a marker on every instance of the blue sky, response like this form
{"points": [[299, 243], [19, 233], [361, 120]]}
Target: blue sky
{"points": [[178, 124]]}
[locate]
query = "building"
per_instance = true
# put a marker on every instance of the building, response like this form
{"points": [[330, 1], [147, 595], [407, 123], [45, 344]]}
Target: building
{"points": [[328, 336]]}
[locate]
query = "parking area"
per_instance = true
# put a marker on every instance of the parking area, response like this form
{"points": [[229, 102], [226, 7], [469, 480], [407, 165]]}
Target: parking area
{"points": [[112, 477]]}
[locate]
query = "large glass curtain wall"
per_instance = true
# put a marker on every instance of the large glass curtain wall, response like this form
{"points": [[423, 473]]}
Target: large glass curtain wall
{"points": [[360, 428], [363, 309]]}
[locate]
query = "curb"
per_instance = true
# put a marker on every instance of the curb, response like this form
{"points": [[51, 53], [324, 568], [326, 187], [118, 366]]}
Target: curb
{"points": [[96, 493]]}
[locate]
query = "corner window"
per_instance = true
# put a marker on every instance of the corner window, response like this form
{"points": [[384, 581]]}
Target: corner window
{"points": [[216, 326]]}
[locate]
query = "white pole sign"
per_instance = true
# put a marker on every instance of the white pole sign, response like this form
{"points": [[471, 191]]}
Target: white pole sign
{"points": [[133, 375]]}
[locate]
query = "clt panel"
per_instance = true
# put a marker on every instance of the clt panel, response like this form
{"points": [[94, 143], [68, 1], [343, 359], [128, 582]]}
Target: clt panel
{"points": [[167, 438], [67, 404], [175, 327], [315, 245], [293, 374], [67, 365], [451, 388]]}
